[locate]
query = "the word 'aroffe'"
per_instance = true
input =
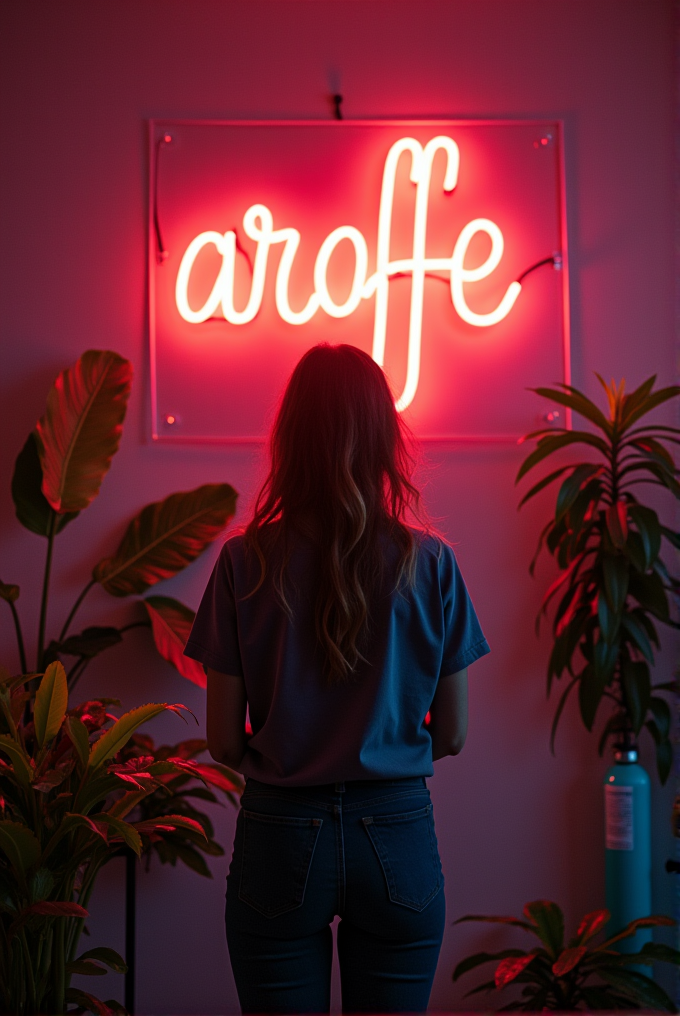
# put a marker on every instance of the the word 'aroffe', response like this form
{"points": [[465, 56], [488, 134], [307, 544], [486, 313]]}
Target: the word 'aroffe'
{"points": [[258, 224]]}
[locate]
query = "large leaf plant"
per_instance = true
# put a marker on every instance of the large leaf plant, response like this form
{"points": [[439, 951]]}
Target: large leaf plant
{"points": [[67, 805], [578, 974], [613, 585], [57, 474]]}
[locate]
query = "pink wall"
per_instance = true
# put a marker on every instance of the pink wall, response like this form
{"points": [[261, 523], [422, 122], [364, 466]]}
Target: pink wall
{"points": [[79, 80]]}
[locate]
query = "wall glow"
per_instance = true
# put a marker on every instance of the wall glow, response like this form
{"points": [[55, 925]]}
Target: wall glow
{"points": [[258, 225]]}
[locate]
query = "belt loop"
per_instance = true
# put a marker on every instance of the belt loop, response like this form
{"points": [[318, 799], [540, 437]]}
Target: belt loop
{"points": [[340, 788]]}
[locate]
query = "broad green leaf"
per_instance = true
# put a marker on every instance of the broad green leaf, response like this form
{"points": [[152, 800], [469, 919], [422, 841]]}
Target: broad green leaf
{"points": [[90, 642], [70, 823], [169, 822], [123, 831], [79, 737], [609, 621], [638, 987], [568, 959], [51, 702], [171, 624], [591, 924], [21, 763], [109, 957], [590, 692], [617, 523], [651, 402], [165, 537], [32, 507], [20, 845], [638, 634], [648, 590], [653, 921], [470, 962], [651, 952], [649, 447], [89, 1003], [545, 482], [571, 487], [549, 445], [579, 402], [615, 573], [637, 691], [110, 743], [508, 969], [636, 399], [662, 715], [81, 429], [128, 802], [549, 921]]}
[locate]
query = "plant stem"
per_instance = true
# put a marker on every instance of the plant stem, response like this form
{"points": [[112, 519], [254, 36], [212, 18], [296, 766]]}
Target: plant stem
{"points": [[77, 671], [51, 526], [74, 609], [20, 638], [59, 965]]}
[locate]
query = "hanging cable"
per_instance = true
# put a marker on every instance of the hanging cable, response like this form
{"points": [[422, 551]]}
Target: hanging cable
{"points": [[161, 252]]}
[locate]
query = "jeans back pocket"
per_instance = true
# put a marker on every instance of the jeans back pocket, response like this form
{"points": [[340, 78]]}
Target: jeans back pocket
{"points": [[277, 857], [406, 846]]}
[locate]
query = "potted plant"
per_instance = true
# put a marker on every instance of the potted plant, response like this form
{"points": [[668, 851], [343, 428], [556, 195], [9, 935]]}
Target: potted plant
{"points": [[57, 474], [612, 590], [613, 585], [578, 974], [66, 807]]}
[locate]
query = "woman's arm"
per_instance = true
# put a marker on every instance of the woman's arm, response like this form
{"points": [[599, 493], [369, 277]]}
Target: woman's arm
{"points": [[226, 718], [449, 715]]}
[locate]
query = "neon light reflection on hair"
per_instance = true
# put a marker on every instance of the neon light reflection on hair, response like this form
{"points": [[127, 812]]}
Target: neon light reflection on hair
{"points": [[258, 225]]}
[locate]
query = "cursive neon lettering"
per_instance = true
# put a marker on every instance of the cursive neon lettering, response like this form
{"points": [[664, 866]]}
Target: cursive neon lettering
{"points": [[258, 224]]}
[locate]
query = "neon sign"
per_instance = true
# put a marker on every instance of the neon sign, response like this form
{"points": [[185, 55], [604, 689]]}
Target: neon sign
{"points": [[267, 237], [258, 225]]}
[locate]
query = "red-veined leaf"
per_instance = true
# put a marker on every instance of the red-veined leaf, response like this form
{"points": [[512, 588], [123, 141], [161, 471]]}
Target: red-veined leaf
{"points": [[568, 959], [171, 623], [33, 510], [90, 1003], [508, 969], [210, 774], [591, 924], [165, 537], [81, 429], [549, 921], [514, 922], [641, 922], [168, 823], [117, 829]]}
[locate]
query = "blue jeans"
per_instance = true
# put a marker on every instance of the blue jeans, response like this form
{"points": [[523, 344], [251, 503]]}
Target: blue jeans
{"points": [[365, 851]]}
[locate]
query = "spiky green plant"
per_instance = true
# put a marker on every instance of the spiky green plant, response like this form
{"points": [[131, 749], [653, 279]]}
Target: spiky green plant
{"points": [[613, 585]]}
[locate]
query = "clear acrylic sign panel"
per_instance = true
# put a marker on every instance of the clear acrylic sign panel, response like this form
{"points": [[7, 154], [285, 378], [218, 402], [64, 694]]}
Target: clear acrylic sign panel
{"points": [[406, 239]]}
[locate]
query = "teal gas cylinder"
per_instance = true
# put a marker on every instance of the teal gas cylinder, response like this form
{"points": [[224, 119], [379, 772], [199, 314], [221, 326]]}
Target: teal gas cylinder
{"points": [[628, 861]]}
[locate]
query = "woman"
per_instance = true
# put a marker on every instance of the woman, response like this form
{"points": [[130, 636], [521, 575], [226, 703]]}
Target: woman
{"points": [[339, 627]]}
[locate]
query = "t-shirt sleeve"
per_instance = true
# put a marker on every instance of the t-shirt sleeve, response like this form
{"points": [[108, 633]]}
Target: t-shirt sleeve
{"points": [[213, 639], [464, 640]]}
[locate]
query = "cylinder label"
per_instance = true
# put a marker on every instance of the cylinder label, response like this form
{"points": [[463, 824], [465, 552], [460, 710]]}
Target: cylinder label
{"points": [[618, 808]]}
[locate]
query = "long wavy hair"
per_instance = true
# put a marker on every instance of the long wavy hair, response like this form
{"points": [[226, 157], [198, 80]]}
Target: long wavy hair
{"points": [[341, 467]]}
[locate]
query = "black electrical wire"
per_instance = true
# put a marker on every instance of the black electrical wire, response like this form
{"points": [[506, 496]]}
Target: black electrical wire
{"points": [[161, 253]]}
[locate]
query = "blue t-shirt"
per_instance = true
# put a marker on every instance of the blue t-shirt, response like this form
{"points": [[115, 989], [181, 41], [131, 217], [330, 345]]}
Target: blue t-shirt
{"points": [[305, 731]]}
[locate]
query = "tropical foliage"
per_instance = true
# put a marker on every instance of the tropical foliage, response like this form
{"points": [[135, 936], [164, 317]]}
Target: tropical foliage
{"points": [[77, 785], [67, 804], [613, 587], [578, 974]]}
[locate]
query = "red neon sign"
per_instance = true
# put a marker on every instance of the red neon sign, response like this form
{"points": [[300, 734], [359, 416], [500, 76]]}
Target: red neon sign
{"points": [[233, 308]]}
